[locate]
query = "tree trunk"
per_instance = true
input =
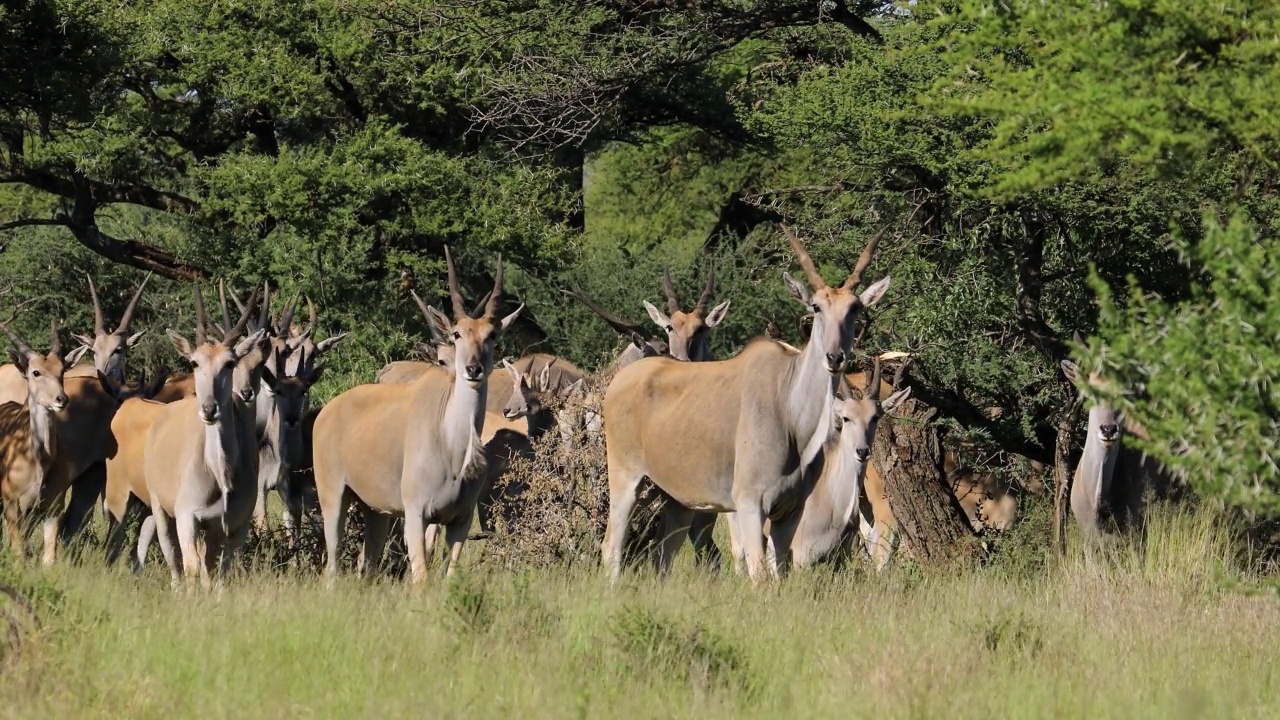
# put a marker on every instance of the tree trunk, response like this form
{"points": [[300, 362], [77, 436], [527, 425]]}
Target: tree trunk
{"points": [[908, 452], [1062, 475]]}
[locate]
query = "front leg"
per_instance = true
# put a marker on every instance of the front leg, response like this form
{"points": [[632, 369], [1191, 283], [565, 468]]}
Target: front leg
{"points": [[751, 536], [13, 526], [85, 491], [192, 560], [415, 544]]}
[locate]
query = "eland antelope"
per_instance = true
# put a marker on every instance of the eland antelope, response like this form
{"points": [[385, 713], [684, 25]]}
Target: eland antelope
{"points": [[1111, 481], [640, 342], [28, 433], [733, 435], [109, 349], [413, 450], [200, 458], [828, 517]]}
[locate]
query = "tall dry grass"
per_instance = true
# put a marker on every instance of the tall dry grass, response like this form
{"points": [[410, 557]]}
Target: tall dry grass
{"points": [[1173, 626]]}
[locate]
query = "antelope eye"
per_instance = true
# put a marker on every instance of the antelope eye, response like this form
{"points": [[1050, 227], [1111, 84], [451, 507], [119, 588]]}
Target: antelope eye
{"points": [[670, 329], [457, 335], [814, 307], [117, 351], [35, 373]]}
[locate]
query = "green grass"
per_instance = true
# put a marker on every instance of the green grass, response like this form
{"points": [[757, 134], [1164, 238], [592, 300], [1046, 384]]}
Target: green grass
{"points": [[1133, 632]]}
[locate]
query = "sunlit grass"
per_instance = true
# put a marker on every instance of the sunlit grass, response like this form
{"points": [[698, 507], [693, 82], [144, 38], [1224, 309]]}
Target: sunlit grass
{"points": [[1132, 631]]}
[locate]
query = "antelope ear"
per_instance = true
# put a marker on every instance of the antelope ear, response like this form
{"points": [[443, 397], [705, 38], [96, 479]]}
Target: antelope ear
{"points": [[135, 338], [74, 356], [511, 369], [441, 327], [1072, 371], [82, 339], [269, 378], [295, 341], [716, 316], [544, 377], [180, 344], [799, 290], [426, 350], [111, 387], [247, 345], [872, 294], [313, 375], [19, 359], [506, 321], [895, 399], [329, 343], [656, 315], [638, 340]]}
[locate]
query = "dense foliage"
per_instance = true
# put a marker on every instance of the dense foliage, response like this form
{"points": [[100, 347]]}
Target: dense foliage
{"points": [[1014, 149]]}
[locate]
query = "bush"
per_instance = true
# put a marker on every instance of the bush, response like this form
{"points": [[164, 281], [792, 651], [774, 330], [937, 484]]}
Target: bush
{"points": [[1200, 374]]}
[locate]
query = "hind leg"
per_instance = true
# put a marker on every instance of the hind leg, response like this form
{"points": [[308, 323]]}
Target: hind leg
{"points": [[166, 532], [701, 528], [333, 511], [455, 534], [376, 528], [622, 500], [675, 527], [146, 533]]}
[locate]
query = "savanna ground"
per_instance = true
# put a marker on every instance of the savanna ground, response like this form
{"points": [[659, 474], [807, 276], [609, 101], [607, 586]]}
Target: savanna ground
{"points": [[1178, 626]]}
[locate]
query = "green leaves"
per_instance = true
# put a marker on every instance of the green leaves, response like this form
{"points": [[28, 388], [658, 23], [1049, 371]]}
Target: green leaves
{"points": [[1200, 374], [1075, 87]]}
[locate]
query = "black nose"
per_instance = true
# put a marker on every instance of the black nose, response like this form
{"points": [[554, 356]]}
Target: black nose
{"points": [[209, 411], [474, 371], [1109, 431], [863, 453], [61, 400], [835, 359]]}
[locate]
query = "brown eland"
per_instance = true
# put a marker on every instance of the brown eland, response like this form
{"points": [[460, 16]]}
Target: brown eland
{"points": [[413, 450], [733, 435]]}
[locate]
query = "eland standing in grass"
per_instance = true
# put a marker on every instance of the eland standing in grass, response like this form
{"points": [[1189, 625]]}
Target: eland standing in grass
{"points": [[734, 435], [201, 455], [413, 450]]}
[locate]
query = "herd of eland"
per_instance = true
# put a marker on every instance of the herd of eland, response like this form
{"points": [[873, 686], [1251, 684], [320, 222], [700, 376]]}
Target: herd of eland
{"points": [[776, 438]]}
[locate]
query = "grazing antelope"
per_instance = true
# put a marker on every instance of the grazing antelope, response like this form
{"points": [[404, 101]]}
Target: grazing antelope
{"points": [[1110, 483], [413, 450], [200, 455], [733, 435], [28, 433]]}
